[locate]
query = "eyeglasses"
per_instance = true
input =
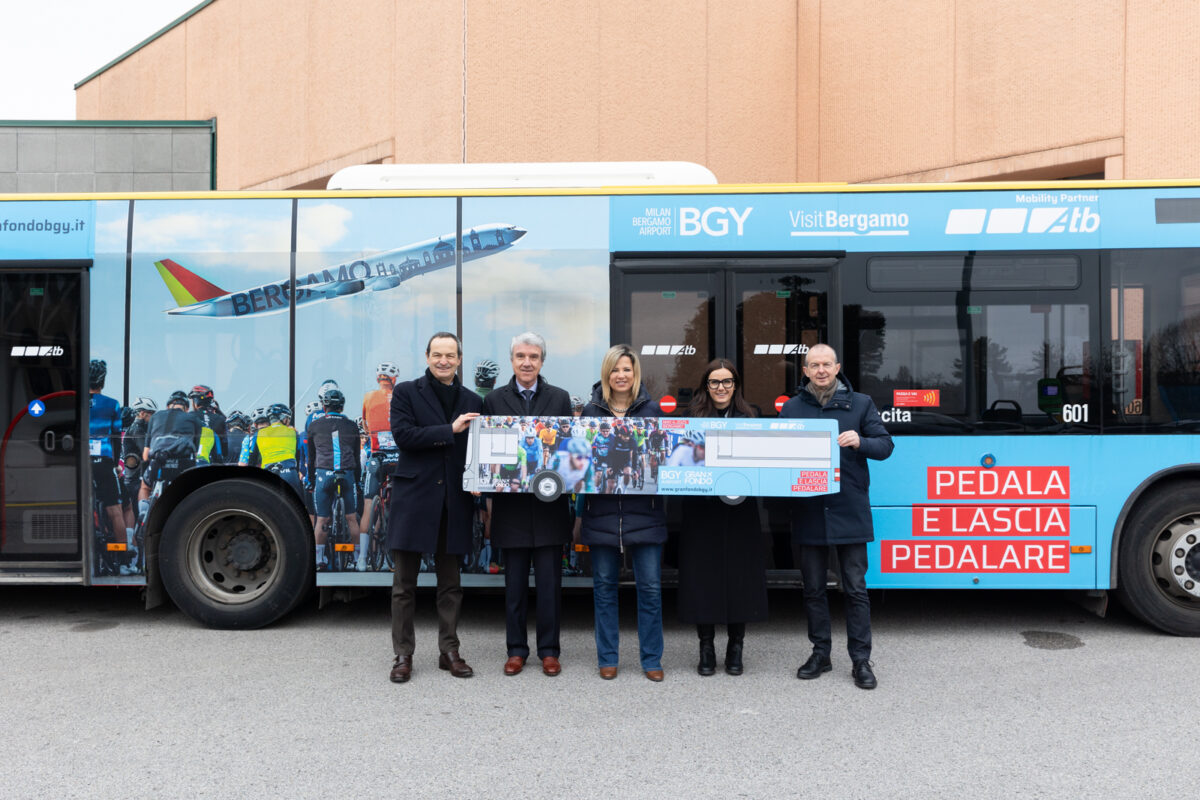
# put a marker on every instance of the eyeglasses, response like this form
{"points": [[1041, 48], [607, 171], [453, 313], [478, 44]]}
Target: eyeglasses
{"points": [[724, 383]]}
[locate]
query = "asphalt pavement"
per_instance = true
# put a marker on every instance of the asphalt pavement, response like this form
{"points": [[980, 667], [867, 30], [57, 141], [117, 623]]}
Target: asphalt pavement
{"points": [[981, 694]]}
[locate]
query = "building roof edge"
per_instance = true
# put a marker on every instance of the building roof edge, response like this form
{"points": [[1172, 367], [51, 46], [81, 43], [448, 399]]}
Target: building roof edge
{"points": [[146, 41], [109, 123]]}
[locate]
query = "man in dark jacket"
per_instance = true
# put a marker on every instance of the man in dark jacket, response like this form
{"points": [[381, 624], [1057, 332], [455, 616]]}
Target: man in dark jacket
{"points": [[841, 520], [526, 528], [430, 513]]}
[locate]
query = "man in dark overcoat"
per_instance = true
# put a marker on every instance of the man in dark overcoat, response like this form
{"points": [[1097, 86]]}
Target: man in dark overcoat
{"points": [[841, 520], [529, 530], [430, 512]]}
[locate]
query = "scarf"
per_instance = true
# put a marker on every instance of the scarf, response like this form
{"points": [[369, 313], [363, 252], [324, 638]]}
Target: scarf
{"points": [[446, 395]]}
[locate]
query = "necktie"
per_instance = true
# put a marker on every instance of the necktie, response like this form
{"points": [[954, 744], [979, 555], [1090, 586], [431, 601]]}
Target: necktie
{"points": [[528, 395]]}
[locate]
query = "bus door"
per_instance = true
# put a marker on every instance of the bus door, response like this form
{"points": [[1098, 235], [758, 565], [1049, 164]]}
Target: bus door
{"points": [[42, 411], [763, 314]]}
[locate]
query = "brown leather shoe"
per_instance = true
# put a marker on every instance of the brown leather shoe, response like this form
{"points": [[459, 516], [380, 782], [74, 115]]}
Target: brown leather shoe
{"points": [[401, 669], [514, 665], [455, 664], [655, 675], [608, 673], [550, 666]]}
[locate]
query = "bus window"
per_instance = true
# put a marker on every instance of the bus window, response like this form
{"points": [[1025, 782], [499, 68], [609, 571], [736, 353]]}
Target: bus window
{"points": [[984, 359], [674, 330], [779, 316], [1153, 359]]}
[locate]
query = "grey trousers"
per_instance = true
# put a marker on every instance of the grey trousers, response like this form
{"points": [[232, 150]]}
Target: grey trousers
{"points": [[404, 597]]}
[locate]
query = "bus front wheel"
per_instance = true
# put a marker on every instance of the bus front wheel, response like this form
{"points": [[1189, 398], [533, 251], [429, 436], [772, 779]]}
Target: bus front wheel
{"points": [[1160, 561], [236, 554]]}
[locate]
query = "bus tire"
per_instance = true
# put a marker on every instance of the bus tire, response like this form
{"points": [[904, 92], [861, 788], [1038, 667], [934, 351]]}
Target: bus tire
{"points": [[1159, 563], [236, 554], [547, 486]]}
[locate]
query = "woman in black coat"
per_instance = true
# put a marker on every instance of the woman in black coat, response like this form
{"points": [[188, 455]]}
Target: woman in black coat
{"points": [[722, 553]]}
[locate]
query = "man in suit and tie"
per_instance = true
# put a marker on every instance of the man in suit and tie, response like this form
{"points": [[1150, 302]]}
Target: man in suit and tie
{"points": [[430, 512], [529, 530]]}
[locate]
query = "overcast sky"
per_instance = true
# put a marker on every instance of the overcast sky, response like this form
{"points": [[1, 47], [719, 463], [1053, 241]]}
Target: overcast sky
{"points": [[47, 46]]}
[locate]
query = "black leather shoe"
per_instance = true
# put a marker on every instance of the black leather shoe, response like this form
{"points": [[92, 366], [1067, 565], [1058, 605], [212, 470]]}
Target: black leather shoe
{"points": [[813, 668], [708, 658], [864, 678], [733, 658]]}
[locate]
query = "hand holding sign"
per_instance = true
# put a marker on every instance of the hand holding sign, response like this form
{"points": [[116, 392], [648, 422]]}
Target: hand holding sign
{"points": [[849, 439]]}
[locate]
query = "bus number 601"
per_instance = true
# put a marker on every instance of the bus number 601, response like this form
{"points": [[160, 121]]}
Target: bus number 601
{"points": [[1075, 412]]}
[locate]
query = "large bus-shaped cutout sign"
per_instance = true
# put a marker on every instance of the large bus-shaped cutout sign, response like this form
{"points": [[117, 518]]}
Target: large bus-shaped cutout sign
{"points": [[727, 458]]}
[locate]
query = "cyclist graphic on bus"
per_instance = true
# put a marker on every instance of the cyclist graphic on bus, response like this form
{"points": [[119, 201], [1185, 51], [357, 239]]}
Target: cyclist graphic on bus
{"points": [[214, 444], [486, 372], [333, 452], [104, 429], [275, 446], [381, 447]]}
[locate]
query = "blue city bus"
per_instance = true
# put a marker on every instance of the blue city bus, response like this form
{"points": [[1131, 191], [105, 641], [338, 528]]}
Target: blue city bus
{"points": [[1034, 349]]}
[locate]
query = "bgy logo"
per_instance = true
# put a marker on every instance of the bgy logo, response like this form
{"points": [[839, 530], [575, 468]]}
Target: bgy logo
{"points": [[713, 221]]}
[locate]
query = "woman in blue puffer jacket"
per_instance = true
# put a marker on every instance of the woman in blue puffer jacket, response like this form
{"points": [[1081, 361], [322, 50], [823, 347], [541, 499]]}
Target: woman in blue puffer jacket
{"points": [[621, 523]]}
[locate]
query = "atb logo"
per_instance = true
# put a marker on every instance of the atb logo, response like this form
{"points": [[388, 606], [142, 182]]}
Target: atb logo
{"points": [[668, 350], [713, 221], [36, 351], [1071, 219], [780, 349]]}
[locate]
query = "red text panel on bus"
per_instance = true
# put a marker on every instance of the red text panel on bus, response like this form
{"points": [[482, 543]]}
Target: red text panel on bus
{"points": [[991, 520], [998, 483], [975, 556]]}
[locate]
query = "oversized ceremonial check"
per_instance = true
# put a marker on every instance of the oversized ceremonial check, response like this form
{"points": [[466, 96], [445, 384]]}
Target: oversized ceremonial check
{"points": [[730, 458]]}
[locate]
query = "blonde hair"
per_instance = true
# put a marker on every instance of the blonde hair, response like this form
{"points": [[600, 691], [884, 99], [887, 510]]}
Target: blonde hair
{"points": [[609, 363]]}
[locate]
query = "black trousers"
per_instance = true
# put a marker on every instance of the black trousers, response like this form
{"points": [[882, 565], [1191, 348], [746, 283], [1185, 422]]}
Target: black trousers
{"points": [[814, 566], [404, 597], [547, 575]]}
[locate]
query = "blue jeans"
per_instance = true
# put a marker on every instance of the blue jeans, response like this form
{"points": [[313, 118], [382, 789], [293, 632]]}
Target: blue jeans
{"points": [[647, 573]]}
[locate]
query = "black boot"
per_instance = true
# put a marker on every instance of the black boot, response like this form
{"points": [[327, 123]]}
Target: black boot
{"points": [[733, 650], [708, 654]]}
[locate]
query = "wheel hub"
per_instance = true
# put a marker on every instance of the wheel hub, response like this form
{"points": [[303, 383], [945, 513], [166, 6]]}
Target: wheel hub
{"points": [[233, 557], [1183, 562], [246, 551]]}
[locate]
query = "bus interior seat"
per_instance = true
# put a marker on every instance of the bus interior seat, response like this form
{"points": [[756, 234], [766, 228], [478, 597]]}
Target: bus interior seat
{"points": [[1181, 402], [1007, 411]]}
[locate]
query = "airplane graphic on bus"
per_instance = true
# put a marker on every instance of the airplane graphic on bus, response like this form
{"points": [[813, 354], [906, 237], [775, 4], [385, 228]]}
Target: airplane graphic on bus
{"points": [[386, 270]]}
